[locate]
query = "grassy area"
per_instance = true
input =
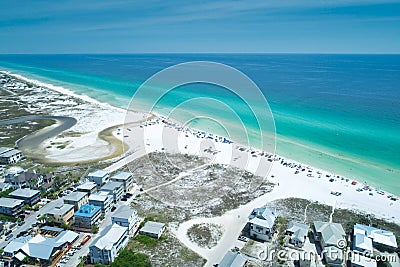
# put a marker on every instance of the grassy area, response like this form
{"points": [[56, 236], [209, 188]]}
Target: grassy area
{"points": [[206, 234], [11, 133], [166, 251]]}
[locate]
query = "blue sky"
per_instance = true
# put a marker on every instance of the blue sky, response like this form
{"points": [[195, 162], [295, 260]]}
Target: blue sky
{"points": [[151, 26]]}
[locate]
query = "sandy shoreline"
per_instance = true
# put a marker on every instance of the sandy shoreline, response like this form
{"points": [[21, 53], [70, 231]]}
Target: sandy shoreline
{"points": [[144, 134]]}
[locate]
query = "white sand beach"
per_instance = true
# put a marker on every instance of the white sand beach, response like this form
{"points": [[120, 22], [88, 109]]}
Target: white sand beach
{"points": [[143, 135]]}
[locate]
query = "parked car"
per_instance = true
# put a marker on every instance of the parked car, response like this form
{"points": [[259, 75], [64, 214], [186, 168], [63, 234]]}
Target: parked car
{"points": [[9, 237]]}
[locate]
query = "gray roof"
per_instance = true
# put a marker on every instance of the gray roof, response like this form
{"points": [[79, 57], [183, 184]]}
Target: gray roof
{"points": [[377, 235], [109, 237], [330, 232], [17, 243], [98, 173], [10, 153], [298, 230], [263, 217], [122, 176], [61, 209], [123, 212], [232, 259], [99, 196], [87, 186], [42, 247], [75, 196], [111, 186], [152, 227], [10, 202], [5, 149], [24, 192]]}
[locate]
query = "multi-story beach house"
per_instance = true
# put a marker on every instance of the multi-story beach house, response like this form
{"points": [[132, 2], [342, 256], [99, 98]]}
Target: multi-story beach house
{"points": [[101, 199], [125, 178], [87, 216], [298, 233], [100, 177], [105, 248], [332, 239], [261, 223], [77, 199], [126, 216], [115, 189], [29, 196], [365, 238], [87, 187], [63, 213], [10, 155], [11, 207]]}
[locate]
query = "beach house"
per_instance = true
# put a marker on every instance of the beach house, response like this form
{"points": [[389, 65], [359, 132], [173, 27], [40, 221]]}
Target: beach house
{"points": [[87, 187], [105, 248], [261, 223], [11, 207], [87, 216], [10, 155], [332, 238], [298, 233], [29, 196], [233, 259], [101, 199], [152, 229], [77, 199], [63, 213], [115, 189], [365, 238], [125, 178], [100, 177], [126, 216]]}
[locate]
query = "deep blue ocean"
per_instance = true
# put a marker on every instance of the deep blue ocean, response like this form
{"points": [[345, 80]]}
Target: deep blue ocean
{"points": [[336, 112]]}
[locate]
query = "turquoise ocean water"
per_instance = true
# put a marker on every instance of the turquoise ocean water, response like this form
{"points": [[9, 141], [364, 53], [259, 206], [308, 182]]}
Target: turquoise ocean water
{"points": [[340, 113]]}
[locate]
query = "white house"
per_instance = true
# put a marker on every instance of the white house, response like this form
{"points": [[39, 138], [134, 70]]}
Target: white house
{"points": [[261, 223], [378, 238], [125, 216], [10, 155], [105, 248]]}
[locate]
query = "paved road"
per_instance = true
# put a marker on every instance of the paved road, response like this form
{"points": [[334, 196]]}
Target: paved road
{"points": [[31, 220]]}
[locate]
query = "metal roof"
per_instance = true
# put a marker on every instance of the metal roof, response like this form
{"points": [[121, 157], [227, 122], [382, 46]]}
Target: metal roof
{"points": [[124, 212], [152, 227], [232, 259], [377, 235], [87, 186], [122, 176], [10, 202], [263, 217], [99, 196], [331, 233], [61, 209], [24, 192], [98, 173], [75, 196], [111, 186], [109, 237]]}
